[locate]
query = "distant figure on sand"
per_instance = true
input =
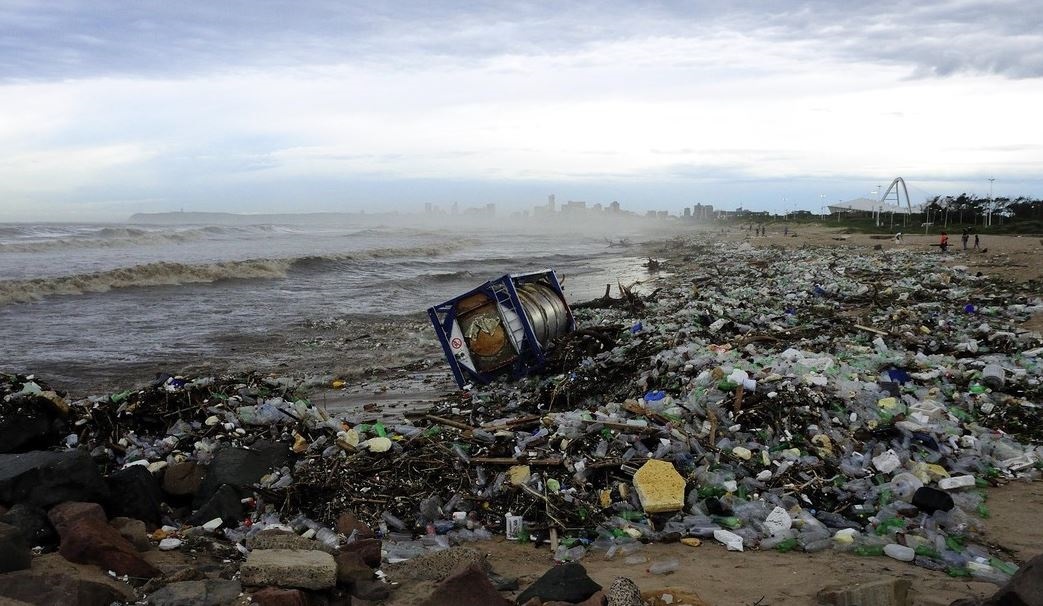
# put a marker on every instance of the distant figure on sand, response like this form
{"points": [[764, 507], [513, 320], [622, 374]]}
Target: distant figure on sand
{"points": [[966, 236], [898, 238], [975, 241], [944, 244], [785, 230]]}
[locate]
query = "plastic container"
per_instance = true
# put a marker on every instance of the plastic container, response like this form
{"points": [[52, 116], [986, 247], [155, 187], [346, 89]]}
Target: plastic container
{"points": [[664, 566]]}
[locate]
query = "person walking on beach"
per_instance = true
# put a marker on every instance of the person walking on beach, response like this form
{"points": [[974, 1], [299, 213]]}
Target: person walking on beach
{"points": [[975, 241], [944, 244], [966, 236]]}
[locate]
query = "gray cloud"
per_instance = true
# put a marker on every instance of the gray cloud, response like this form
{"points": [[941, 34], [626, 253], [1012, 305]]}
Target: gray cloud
{"points": [[83, 38]]}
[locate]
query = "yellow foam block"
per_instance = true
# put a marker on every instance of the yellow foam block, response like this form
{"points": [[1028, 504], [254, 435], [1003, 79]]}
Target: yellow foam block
{"points": [[659, 487]]}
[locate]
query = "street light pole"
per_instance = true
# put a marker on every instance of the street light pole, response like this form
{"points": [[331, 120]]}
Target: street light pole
{"points": [[991, 179]]}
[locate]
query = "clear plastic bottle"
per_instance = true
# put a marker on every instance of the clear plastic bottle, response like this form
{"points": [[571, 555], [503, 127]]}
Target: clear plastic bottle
{"points": [[664, 566]]}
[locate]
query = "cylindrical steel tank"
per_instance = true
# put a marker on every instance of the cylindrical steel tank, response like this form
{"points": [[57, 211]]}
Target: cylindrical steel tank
{"points": [[486, 331]]}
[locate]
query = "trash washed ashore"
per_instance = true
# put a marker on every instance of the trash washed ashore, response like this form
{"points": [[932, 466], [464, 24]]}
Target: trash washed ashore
{"points": [[797, 400]]}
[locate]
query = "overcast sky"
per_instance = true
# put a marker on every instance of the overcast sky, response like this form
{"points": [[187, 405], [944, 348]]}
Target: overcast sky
{"points": [[109, 108]]}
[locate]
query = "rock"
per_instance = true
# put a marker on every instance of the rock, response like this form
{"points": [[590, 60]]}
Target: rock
{"points": [[169, 544], [239, 468], [659, 487], [225, 503], [134, 531], [348, 523], [1025, 588], [33, 523], [369, 549], [351, 569], [289, 568], [437, 565], [54, 580], [884, 592], [210, 592], [31, 421], [43, 479], [284, 539], [503, 583], [273, 596], [467, 586], [15, 553], [182, 479], [566, 583], [623, 592], [28, 587], [135, 494], [371, 590], [87, 538]]}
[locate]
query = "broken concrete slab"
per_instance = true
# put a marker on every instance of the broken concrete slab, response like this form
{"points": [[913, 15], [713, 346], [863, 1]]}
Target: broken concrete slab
{"points": [[294, 568]]}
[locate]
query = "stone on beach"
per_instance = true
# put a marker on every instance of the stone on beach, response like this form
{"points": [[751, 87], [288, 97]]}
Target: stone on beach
{"points": [[294, 568], [87, 537]]}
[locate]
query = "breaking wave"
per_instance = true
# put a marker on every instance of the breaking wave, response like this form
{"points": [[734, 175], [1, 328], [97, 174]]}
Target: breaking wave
{"points": [[174, 274], [119, 237], [150, 274]]}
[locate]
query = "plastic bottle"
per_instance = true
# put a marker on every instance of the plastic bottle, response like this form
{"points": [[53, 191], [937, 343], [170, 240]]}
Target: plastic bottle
{"points": [[663, 566], [899, 552], [328, 537], [392, 521]]}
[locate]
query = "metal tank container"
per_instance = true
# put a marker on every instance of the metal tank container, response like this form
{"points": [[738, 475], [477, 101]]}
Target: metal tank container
{"points": [[504, 325]]}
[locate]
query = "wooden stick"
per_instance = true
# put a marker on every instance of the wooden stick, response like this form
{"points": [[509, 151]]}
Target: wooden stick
{"points": [[449, 422], [739, 392], [510, 461], [512, 423], [872, 330]]}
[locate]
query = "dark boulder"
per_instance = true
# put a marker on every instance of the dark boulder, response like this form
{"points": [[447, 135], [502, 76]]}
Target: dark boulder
{"points": [[240, 468], [467, 586], [44, 478], [33, 523], [135, 494], [565, 583], [15, 553], [225, 503]]}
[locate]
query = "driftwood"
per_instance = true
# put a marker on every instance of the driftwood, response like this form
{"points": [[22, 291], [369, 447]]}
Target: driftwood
{"points": [[628, 299]]}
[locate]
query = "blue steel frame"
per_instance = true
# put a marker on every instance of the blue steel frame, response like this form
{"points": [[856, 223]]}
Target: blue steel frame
{"points": [[531, 356]]}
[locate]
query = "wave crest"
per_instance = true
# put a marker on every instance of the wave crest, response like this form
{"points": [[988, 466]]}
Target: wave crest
{"points": [[174, 274]]}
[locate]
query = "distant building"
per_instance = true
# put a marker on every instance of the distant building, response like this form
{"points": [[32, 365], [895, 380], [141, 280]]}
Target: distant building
{"points": [[687, 213], [614, 207], [574, 207]]}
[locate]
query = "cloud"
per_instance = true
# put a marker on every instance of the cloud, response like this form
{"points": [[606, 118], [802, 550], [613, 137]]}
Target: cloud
{"points": [[239, 103], [87, 38]]}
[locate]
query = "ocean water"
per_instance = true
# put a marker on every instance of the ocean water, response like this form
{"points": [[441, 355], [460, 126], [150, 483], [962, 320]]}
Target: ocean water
{"points": [[97, 305]]}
